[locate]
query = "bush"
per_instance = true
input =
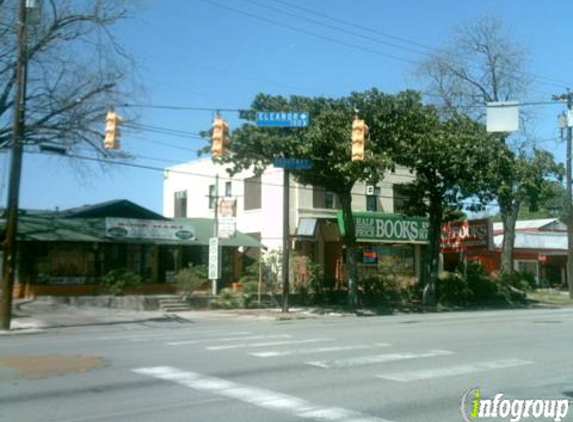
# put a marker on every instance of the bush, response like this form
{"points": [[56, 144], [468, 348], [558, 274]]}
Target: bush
{"points": [[454, 290], [191, 279], [118, 280], [307, 280], [388, 288], [228, 299]]}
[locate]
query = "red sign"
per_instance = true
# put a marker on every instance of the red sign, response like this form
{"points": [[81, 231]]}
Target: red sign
{"points": [[467, 235]]}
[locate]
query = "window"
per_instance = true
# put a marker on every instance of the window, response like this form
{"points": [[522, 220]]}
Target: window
{"points": [[212, 197], [371, 203], [324, 199], [180, 207], [400, 194], [228, 189], [253, 193]]}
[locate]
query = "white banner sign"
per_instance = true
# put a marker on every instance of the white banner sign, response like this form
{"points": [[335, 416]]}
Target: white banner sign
{"points": [[214, 259], [133, 228]]}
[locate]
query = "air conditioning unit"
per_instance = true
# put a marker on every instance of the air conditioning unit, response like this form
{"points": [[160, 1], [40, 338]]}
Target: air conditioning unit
{"points": [[370, 190]]}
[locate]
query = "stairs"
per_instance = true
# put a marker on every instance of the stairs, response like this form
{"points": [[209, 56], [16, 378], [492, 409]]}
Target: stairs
{"points": [[173, 304]]}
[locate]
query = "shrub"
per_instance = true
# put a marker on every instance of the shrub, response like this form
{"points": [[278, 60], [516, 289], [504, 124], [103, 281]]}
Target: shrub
{"points": [[307, 280], [454, 290], [118, 280], [228, 299], [191, 279]]}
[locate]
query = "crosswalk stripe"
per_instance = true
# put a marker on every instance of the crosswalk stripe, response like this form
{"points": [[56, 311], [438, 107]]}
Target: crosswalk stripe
{"points": [[267, 344], [367, 360], [310, 351], [454, 370], [225, 339], [260, 397], [205, 334]]}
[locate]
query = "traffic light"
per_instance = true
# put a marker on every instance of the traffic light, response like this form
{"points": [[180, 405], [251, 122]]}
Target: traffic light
{"points": [[359, 133], [219, 138], [112, 132]]}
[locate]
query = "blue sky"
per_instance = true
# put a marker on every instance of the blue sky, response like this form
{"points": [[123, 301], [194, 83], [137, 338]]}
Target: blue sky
{"points": [[195, 53]]}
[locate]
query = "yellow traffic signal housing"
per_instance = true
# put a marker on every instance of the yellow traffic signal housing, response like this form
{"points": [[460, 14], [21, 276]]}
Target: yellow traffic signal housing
{"points": [[219, 138], [112, 132], [359, 133]]}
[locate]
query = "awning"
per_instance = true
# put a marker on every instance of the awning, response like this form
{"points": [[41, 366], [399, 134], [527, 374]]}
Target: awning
{"points": [[51, 228]]}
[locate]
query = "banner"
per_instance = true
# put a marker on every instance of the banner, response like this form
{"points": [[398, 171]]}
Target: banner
{"points": [[133, 228], [387, 228], [467, 235]]}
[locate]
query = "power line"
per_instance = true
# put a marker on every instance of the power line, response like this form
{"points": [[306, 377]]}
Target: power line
{"points": [[189, 173], [553, 81]]}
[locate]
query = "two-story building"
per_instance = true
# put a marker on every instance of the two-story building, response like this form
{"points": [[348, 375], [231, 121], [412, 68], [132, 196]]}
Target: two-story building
{"points": [[190, 190]]}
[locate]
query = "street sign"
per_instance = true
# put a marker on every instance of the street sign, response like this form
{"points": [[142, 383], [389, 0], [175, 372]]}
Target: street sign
{"points": [[292, 163], [283, 118], [214, 273]]}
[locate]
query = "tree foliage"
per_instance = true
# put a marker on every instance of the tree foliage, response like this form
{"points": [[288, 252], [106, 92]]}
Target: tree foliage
{"points": [[76, 70], [482, 64], [327, 143]]}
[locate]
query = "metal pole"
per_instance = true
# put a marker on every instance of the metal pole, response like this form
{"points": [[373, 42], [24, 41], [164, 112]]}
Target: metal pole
{"points": [[569, 199], [286, 238], [216, 232], [10, 244]]}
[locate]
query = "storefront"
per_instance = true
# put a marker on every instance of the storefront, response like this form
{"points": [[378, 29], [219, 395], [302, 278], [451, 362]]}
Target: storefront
{"points": [[68, 252]]}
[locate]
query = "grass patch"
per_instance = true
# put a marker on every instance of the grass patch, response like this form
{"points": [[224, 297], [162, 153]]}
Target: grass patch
{"points": [[550, 297]]}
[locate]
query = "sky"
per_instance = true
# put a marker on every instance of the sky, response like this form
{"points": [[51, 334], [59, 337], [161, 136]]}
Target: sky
{"points": [[218, 54]]}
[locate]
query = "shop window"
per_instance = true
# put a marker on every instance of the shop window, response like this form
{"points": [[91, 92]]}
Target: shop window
{"points": [[324, 199], [180, 208], [253, 193]]}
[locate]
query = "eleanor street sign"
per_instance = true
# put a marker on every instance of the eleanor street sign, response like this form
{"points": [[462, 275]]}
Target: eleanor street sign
{"points": [[283, 118]]}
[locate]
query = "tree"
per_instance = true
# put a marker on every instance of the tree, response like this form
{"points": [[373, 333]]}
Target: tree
{"points": [[327, 142], [76, 70], [449, 158], [482, 64]]}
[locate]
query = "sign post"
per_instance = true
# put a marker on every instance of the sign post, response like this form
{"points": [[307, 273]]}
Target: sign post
{"points": [[214, 269]]}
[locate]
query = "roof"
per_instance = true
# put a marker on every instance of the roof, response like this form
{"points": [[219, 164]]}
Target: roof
{"points": [[536, 240], [540, 224], [119, 208], [42, 228], [95, 223]]}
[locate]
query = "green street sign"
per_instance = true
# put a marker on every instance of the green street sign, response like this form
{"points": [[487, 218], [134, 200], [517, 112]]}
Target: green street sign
{"points": [[387, 228]]}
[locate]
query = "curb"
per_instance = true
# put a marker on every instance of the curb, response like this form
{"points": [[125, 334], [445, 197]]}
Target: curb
{"points": [[21, 331]]}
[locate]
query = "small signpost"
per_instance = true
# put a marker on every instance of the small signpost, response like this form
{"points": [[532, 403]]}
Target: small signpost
{"points": [[283, 118], [214, 269]]}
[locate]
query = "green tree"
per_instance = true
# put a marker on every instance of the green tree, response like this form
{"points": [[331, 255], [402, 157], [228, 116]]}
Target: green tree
{"points": [[483, 64], [327, 142], [449, 158]]}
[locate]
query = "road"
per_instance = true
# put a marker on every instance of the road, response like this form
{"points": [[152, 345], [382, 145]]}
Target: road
{"points": [[404, 368]]}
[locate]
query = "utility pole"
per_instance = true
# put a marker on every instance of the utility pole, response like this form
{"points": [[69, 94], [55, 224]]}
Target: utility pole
{"points": [[216, 235], [10, 244], [286, 237], [567, 125]]}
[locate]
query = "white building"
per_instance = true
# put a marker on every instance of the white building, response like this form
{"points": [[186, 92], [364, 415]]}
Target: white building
{"points": [[190, 191]]}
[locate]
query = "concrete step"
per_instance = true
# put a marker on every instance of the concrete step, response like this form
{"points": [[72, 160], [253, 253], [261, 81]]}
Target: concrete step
{"points": [[173, 304]]}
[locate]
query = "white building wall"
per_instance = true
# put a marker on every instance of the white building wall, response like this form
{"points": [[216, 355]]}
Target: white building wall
{"points": [[195, 178]]}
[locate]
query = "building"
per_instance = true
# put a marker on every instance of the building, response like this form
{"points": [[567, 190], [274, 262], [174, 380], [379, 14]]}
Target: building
{"points": [[67, 252], [190, 190], [540, 247]]}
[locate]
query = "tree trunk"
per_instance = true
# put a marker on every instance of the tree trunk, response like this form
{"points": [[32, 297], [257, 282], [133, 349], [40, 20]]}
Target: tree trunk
{"points": [[351, 270], [509, 218], [432, 260]]}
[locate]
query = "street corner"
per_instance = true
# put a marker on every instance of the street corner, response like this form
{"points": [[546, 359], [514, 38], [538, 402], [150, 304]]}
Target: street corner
{"points": [[48, 365]]}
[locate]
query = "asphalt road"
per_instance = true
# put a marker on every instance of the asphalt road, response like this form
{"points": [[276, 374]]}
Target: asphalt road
{"points": [[393, 368]]}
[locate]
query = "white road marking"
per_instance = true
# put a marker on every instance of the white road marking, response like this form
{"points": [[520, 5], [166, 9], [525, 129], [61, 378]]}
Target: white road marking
{"points": [[368, 360], [225, 339], [205, 334], [267, 344], [260, 397], [173, 333], [454, 370], [310, 351]]}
